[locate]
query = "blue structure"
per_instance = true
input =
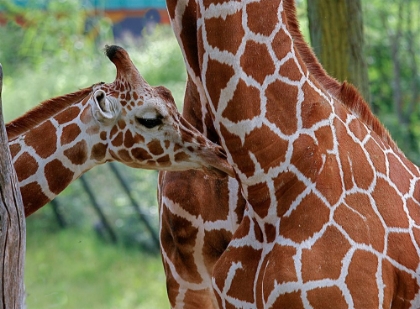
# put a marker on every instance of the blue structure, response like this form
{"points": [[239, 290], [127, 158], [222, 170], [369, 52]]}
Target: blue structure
{"points": [[128, 16]]}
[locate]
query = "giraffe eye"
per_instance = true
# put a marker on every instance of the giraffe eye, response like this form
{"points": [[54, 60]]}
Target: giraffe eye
{"points": [[150, 122]]}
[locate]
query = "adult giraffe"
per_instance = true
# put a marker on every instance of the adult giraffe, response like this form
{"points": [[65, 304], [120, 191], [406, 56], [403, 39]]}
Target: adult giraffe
{"points": [[127, 120], [332, 218]]}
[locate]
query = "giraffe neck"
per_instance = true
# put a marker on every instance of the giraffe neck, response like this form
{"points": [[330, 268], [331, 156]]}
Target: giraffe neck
{"points": [[53, 145], [240, 93]]}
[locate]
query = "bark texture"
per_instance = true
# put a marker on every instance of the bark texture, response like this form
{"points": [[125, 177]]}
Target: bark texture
{"points": [[336, 31], [12, 226]]}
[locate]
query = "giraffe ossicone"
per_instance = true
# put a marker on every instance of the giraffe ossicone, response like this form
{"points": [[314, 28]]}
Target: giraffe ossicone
{"points": [[127, 121]]}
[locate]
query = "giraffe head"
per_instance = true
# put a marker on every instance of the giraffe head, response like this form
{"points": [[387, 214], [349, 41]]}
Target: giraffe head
{"points": [[143, 127]]}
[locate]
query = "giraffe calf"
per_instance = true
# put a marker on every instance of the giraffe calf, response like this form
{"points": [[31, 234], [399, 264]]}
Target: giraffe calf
{"points": [[126, 120]]}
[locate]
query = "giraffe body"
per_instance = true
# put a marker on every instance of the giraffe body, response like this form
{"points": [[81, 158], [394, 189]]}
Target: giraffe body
{"points": [[332, 206], [127, 121]]}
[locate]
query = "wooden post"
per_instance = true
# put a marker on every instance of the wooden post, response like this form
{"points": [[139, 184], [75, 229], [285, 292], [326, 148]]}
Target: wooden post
{"points": [[12, 227]]}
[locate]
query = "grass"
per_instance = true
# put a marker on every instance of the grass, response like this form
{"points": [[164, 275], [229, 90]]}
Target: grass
{"points": [[73, 269]]}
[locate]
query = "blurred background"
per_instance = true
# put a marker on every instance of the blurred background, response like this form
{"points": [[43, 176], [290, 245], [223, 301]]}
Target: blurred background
{"points": [[96, 245]]}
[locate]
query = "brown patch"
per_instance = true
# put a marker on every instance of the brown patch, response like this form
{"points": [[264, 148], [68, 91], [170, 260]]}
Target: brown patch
{"points": [[288, 187], [290, 70], [69, 134], [281, 44], [114, 131], [413, 210], [405, 290], [86, 115], [262, 16], [361, 280], [377, 156], [356, 168], [121, 124], [128, 139], [124, 156], [98, 152], [327, 298], [359, 131], [390, 205], [14, 149], [43, 139], [167, 144], [243, 280], [103, 135], [324, 259], [182, 157], [402, 250], [215, 243], [178, 237], [307, 219], [399, 175], [33, 198], [324, 137], [259, 198], [140, 154], [280, 107], [279, 267], [68, 115], [189, 36], [260, 69], [164, 161], [268, 148], [360, 221], [314, 109], [306, 156], [328, 181], [25, 166], [118, 140], [270, 232], [78, 154], [217, 76], [225, 33], [138, 139], [58, 176], [155, 148], [238, 108]]}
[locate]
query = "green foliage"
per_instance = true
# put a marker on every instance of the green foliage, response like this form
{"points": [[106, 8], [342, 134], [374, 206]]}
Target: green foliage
{"points": [[72, 269], [392, 49], [57, 33]]}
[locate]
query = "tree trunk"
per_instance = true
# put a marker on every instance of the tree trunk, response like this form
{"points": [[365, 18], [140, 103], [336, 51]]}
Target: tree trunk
{"points": [[12, 227], [336, 31]]}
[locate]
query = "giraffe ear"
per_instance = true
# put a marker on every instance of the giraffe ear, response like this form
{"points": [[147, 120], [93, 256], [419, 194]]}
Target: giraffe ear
{"points": [[106, 109]]}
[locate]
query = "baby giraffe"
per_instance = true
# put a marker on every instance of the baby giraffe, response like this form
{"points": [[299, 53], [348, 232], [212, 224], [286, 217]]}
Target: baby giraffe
{"points": [[127, 121]]}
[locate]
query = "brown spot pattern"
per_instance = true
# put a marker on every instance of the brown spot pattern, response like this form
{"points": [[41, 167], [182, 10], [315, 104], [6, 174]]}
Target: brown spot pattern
{"points": [[78, 154], [25, 166], [58, 176], [42, 139], [69, 134]]}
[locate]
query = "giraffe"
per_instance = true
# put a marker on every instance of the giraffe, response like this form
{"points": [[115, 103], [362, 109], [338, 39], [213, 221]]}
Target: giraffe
{"points": [[126, 120], [331, 215]]}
